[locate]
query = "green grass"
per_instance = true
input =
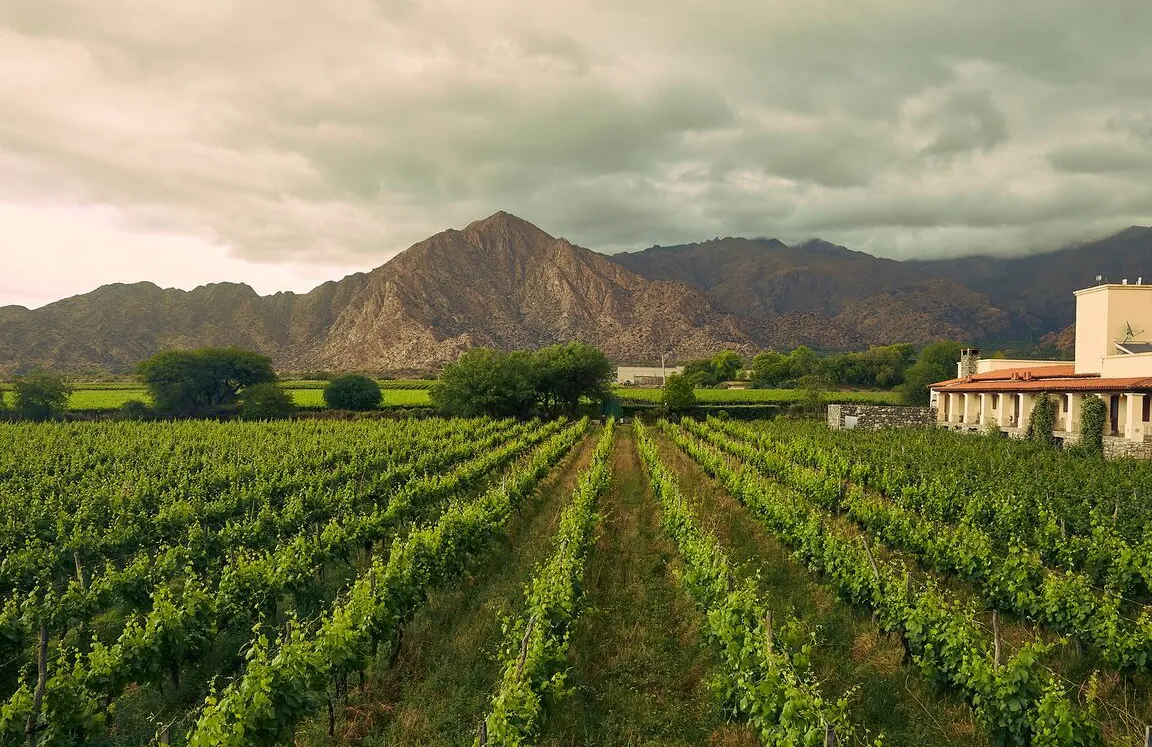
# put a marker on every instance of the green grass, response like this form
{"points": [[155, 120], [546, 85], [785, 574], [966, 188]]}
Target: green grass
{"points": [[640, 667], [112, 399], [758, 396]]}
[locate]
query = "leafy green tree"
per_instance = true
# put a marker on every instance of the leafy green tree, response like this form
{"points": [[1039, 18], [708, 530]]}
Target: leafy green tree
{"points": [[353, 392], [483, 381], [769, 370], [679, 393], [937, 362], [204, 382], [266, 401], [40, 395], [726, 364], [701, 372], [567, 373]]}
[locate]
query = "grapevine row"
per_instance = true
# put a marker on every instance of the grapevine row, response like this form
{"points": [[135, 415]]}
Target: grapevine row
{"points": [[1016, 580], [763, 682], [535, 652], [282, 685], [78, 537], [178, 630], [1018, 701], [201, 552]]}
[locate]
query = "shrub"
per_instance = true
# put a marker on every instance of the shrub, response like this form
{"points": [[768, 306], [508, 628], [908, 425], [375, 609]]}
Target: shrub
{"points": [[135, 409], [1093, 414], [679, 393], [40, 395], [352, 392], [1042, 420], [265, 401]]}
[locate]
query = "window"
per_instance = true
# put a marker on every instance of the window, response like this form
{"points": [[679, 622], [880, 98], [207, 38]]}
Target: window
{"points": [[1147, 407]]}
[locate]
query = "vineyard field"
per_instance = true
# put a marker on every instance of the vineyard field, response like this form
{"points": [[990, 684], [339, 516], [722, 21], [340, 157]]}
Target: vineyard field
{"points": [[494, 582]]}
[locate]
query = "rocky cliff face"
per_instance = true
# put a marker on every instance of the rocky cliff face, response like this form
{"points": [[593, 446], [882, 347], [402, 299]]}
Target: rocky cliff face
{"points": [[500, 282], [505, 283]]}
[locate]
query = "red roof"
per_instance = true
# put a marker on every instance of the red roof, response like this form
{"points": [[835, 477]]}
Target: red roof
{"points": [[1082, 383]]}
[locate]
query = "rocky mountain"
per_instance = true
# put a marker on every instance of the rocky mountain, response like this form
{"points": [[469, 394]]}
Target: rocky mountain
{"points": [[881, 300], [503, 282], [500, 282]]}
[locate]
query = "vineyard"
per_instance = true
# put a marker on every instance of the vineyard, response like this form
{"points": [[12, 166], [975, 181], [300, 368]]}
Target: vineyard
{"points": [[480, 582]]}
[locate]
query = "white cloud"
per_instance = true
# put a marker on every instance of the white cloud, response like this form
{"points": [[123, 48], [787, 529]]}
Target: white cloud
{"points": [[284, 139]]}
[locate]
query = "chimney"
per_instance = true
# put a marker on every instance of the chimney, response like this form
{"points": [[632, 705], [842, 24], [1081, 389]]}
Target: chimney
{"points": [[969, 357]]}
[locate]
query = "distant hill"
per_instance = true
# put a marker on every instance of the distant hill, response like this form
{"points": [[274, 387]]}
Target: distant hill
{"points": [[503, 282], [882, 300]]}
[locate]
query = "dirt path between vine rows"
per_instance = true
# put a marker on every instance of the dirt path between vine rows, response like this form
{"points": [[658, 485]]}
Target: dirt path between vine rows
{"points": [[640, 672], [893, 697], [437, 692]]}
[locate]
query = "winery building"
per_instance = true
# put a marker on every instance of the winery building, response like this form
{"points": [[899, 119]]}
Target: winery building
{"points": [[1113, 362]]}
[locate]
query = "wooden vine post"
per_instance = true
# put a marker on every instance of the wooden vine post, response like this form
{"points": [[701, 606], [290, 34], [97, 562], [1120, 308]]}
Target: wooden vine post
{"points": [[483, 736], [41, 682], [1148, 736], [996, 638], [524, 645], [829, 736], [768, 627]]}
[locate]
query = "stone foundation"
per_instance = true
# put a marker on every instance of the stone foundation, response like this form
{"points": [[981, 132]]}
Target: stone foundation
{"points": [[1122, 448], [876, 417]]}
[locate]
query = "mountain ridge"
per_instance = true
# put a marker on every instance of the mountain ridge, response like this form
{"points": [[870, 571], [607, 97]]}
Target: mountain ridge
{"points": [[504, 282]]}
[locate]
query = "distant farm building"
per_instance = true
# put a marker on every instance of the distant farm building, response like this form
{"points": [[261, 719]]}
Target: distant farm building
{"points": [[1113, 362], [645, 375]]}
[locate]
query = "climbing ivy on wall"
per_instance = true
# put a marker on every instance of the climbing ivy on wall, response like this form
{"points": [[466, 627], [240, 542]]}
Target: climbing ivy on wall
{"points": [[1092, 416], [1043, 420]]}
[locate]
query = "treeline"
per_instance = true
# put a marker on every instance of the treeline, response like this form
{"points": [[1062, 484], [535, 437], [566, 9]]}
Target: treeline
{"points": [[900, 367]]}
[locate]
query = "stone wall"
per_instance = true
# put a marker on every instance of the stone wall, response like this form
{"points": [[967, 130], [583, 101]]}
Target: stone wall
{"points": [[875, 417], [1120, 448]]}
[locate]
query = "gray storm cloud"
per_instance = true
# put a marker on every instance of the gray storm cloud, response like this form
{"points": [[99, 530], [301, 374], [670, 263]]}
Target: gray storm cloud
{"points": [[290, 130]]}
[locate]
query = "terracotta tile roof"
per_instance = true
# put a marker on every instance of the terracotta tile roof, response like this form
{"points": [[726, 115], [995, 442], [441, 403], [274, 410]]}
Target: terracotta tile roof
{"points": [[1021, 374], [1079, 384], [1036, 372]]}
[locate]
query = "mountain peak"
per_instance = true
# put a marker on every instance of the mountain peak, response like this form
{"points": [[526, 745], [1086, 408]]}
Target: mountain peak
{"points": [[503, 223]]}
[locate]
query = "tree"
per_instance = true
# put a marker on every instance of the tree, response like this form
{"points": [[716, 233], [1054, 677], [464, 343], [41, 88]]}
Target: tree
{"points": [[726, 364], [484, 381], [266, 401], [41, 395], [769, 370], [679, 393], [353, 392], [701, 372], [204, 382], [567, 373], [811, 402], [937, 362]]}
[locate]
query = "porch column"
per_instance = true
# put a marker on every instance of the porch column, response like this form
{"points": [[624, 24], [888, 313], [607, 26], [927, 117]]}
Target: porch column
{"points": [[1004, 419], [1072, 422], [1026, 403], [985, 409], [1134, 422], [953, 407], [964, 404]]}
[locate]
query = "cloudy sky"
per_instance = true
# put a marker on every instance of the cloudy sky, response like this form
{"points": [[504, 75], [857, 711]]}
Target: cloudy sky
{"points": [[286, 142]]}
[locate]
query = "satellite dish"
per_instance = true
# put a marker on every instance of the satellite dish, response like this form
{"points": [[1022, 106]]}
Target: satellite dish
{"points": [[1129, 334]]}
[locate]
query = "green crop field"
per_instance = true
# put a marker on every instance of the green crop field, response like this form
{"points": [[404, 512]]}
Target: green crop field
{"points": [[465, 582], [757, 396], [100, 398]]}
